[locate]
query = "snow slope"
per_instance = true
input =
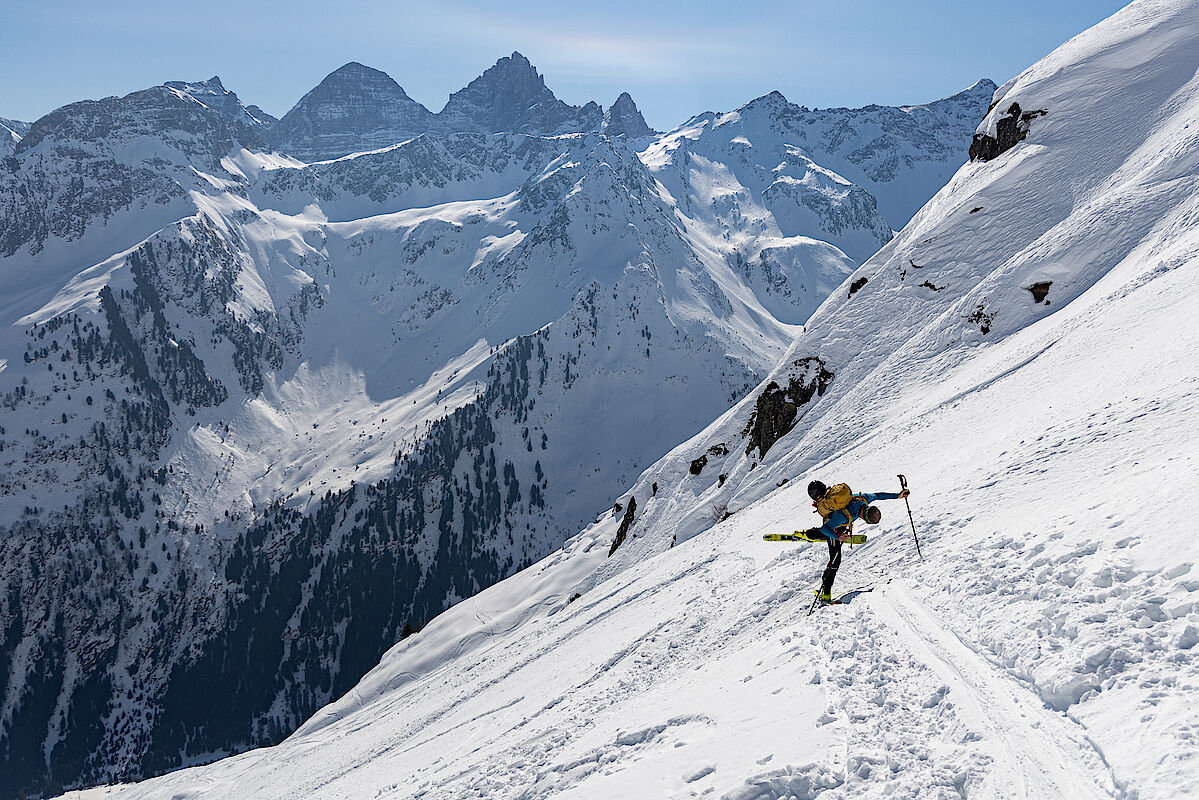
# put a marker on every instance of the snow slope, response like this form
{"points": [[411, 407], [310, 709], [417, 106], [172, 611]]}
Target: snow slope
{"points": [[1044, 647]]}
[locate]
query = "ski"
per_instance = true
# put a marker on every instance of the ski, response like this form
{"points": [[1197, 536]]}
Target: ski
{"points": [[855, 538]]}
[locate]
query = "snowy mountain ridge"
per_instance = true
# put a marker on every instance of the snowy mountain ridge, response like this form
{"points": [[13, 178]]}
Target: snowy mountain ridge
{"points": [[900, 156], [1023, 351]]}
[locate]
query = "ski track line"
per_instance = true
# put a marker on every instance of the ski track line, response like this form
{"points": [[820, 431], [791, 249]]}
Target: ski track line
{"points": [[1040, 754]]}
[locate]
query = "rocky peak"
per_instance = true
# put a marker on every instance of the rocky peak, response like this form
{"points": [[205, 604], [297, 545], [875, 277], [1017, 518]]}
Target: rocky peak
{"points": [[197, 130], [624, 119], [11, 131], [354, 108], [968, 101], [766, 103], [213, 94], [512, 96]]}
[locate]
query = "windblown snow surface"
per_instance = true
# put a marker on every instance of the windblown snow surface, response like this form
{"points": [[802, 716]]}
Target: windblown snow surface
{"points": [[1044, 647]]}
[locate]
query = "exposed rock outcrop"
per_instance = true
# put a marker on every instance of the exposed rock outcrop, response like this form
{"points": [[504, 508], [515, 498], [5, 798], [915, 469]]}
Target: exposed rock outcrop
{"points": [[1040, 290], [777, 409], [1009, 131], [625, 523]]}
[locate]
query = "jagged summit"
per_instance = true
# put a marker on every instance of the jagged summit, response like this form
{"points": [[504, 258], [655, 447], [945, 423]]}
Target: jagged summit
{"points": [[11, 131], [213, 94], [771, 101], [512, 96], [354, 108], [624, 119], [981, 90]]}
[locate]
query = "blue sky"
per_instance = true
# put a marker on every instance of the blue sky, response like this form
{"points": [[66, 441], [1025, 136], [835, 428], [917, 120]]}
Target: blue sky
{"points": [[675, 58]]}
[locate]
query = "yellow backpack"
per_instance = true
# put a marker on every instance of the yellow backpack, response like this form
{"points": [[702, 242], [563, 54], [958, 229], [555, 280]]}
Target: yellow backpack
{"points": [[835, 498]]}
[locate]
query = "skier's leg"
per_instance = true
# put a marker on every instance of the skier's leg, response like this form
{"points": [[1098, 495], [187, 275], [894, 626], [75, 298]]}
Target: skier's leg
{"points": [[830, 572]]}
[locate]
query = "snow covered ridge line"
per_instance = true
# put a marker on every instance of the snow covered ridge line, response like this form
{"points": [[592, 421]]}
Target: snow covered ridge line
{"points": [[899, 155]]}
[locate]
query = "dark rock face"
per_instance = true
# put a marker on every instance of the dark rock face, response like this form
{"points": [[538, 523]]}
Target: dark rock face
{"points": [[511, 96], [697, 466], [1009, 131], [624, 119], [856, 286], [626, 522], [354, 108], [774, 416], [777, 409], [1040, 290]]}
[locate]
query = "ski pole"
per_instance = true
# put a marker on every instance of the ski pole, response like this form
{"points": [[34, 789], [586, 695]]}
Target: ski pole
{"points": [[903, 482]]}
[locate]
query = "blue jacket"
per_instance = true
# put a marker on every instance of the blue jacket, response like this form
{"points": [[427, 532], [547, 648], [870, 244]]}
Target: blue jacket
{"points": [[839, 519]]}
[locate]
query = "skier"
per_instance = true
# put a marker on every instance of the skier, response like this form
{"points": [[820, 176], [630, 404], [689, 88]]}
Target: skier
{"points": [[839, 507]]}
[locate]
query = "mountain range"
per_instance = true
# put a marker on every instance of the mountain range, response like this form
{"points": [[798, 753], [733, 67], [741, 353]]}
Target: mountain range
{"points": [[277, 393]]}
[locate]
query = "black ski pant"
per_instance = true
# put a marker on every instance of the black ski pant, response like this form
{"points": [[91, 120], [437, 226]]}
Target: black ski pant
{"points": [[834, 563]]}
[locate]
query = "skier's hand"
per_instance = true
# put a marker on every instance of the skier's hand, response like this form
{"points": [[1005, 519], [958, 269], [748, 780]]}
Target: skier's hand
{"points": [[904, 493], [843, 537]]}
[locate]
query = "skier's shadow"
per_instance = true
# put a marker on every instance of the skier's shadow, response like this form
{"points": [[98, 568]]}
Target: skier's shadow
{"points": [[849, 597]]}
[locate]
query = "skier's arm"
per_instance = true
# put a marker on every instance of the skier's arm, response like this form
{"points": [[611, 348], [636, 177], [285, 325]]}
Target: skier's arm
{"points": [[829, 529], [870, 498]]}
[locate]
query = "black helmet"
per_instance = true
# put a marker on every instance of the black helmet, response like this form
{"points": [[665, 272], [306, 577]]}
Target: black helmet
{"points": [[816, 490], [872, 515]]}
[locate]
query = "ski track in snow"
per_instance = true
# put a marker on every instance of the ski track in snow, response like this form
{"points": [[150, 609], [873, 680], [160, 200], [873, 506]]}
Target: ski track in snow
{"points": [[1038, 753]]}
